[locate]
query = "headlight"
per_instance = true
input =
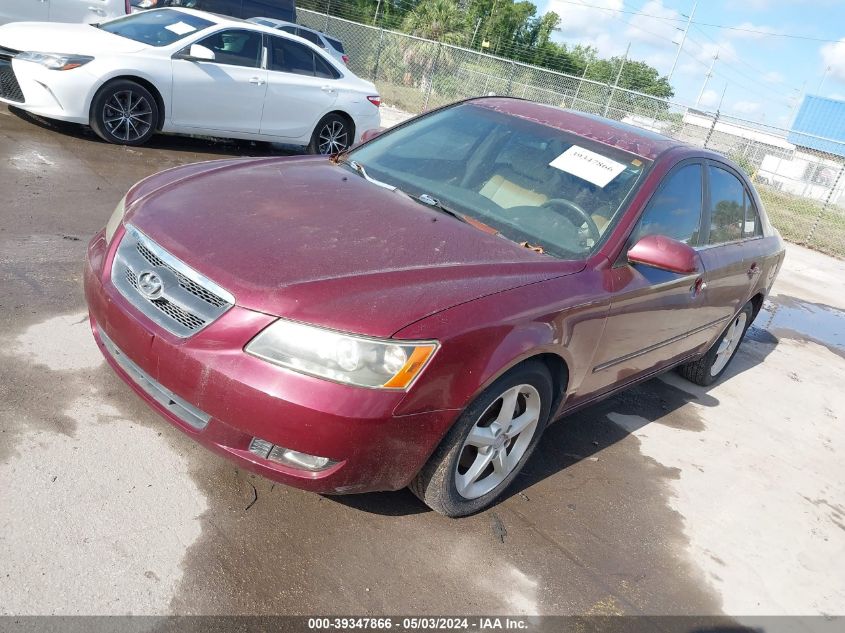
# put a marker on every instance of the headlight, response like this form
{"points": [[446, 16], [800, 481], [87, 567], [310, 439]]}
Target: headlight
{"points": [[347, 358], [115, 219], [55, 61]]}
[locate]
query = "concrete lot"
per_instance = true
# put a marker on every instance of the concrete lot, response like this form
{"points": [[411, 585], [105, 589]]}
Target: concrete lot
{"points": [[667, 499]]}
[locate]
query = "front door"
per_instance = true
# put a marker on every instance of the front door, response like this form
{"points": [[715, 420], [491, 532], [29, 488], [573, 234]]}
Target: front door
{"points": [[81, 10], [655, 316], [301, 86], [24, 10], [226, 94]]}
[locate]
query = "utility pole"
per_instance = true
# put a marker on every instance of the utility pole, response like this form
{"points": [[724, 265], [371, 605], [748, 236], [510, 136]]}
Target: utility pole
{"points": [[798, 98], [375, 16], [474, 33], [707, 78], [616, 83], [580, 83], [683, 39], [821, 83]]}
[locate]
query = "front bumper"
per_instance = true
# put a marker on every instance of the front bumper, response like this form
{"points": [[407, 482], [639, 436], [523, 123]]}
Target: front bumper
{"points": [[222, 397], [61, 95]]}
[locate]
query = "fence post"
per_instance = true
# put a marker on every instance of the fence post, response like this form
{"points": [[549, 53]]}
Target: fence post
{"points": [[826, 203], [378, 53], [328, 8], [712, 128], [510, 78], [431, 80]]}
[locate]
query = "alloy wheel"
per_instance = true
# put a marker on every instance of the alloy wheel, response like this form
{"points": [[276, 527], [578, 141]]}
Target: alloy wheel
{"points": [[729, 343], [497, 441], [333, 138], [127, 116]]}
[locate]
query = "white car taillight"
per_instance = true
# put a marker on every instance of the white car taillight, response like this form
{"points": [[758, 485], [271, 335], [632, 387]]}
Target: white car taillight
{"points": [[345, 59], [375, 100]]}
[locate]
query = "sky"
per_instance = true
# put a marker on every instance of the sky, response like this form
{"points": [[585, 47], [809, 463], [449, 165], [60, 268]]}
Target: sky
{"points": [[765, 75]]}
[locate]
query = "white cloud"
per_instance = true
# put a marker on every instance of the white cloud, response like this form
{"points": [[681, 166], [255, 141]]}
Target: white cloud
{"points": [[709, 99], [643, 28], [833, 55], [591, 26], [747, 107], [773, 77]]}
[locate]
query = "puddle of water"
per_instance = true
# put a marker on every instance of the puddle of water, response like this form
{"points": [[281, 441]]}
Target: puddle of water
{"points": [[788, 317]]}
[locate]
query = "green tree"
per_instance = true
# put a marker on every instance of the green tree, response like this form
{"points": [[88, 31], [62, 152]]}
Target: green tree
{"points": [[440, 20]]}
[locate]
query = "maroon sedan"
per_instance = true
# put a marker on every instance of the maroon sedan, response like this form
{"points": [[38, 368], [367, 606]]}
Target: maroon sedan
{"points": [[416, 311]]}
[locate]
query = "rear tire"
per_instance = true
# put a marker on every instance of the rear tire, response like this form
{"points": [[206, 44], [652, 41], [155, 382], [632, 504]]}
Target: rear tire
{"points": [[124, 113], [707, 369], [489, 444], [332, 135]]}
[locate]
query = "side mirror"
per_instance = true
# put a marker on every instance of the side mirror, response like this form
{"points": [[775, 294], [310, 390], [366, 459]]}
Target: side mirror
{"points": [[371, 134], [198, 53], [665, 253]]}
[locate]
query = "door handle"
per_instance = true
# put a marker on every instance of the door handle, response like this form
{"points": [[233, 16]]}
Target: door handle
{"points": [[326, 88], [256, 81], [97, 10], [698, 287]]}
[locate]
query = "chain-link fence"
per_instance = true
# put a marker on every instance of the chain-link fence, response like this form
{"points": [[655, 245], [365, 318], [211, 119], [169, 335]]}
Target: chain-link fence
{"points": [[803, 188]]}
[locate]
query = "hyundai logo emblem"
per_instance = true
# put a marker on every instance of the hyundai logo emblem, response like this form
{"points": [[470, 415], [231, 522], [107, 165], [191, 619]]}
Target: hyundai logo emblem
{"points": [[150, 285]]}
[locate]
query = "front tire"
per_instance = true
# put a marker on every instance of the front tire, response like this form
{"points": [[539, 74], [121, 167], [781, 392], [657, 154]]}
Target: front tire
{"points": [[707, 370], [124, 113], [332, 135], [489, 444]]}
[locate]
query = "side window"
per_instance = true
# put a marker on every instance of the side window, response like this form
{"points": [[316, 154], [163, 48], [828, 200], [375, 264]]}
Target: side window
{"points": [[290, 57], [727, 213], [311, 37], [752, 220], [288, 29], [235, 47], [675, 210], [323, 69]]}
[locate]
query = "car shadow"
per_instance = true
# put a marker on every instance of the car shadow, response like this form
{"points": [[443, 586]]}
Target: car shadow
{"points": [[166, 142], [581, 435]]}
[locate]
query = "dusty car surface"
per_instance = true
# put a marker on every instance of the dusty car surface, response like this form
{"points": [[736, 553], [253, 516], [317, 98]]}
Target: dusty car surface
{"points": [[416, 311]]}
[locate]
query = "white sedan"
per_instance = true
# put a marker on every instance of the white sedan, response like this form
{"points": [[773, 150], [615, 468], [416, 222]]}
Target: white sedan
{"points": [[187, 72]]}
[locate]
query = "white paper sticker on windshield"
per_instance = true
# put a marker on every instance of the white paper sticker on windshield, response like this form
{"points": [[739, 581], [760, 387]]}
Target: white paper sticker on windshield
{"points": [[180, 28], [588, 165]]}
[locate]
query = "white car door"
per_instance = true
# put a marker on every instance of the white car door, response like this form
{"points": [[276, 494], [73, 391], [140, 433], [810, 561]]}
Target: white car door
{"points": [[226, 94], [24, 10], [85, 10], [301, 86]]}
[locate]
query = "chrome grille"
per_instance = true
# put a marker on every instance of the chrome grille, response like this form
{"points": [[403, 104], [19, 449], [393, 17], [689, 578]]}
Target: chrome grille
{"points": [[183, 301]]}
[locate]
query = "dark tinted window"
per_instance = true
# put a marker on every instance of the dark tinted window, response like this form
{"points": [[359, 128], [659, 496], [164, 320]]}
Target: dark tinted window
{"points": [[290, 57], [161, 27], [311, 37], [727, 213], [675, 211], [223, 7], [235, 47], [336, 44], [289, 29], [322, 68], [752, 220]]}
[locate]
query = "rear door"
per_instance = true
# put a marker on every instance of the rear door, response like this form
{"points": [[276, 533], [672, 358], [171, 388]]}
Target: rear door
{"points": [[301, 86], [732, 269], [23, 10], [226, 94]]}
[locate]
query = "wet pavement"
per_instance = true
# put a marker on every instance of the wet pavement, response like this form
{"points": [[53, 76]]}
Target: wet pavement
{"points": [[666, 499]]}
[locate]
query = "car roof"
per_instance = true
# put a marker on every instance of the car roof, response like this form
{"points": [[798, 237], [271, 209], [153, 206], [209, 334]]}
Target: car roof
{"points": [[629, 138]]}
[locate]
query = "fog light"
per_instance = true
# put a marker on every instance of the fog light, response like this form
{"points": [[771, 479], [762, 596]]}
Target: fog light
{"points": [[288, 457]]}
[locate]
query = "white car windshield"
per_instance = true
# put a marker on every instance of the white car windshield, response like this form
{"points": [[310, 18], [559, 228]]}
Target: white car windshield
{"points": [[156, 28], [556, 192]]}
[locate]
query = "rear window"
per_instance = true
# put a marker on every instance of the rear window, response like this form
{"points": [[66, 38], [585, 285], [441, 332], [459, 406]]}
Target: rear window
{"points": [[160, 27], [311, 37], [336, 44]]}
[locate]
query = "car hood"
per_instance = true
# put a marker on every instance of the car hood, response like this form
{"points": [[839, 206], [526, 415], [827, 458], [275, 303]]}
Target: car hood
{"points": [[55, 37], [310, 240]]}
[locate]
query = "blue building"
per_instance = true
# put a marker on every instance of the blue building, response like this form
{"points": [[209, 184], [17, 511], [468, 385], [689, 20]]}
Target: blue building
{"points": [[820, 126]]}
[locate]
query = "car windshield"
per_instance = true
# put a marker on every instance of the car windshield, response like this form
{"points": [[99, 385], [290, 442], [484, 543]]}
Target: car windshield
{"points": [[538, 186], [156, 28]]}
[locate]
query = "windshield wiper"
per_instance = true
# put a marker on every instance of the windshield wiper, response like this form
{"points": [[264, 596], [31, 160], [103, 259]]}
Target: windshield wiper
{"points": [[363, 173], [434, 202]]}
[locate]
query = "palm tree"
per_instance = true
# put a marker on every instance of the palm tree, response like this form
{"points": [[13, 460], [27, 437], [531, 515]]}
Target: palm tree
{"points": [[440, 20]]}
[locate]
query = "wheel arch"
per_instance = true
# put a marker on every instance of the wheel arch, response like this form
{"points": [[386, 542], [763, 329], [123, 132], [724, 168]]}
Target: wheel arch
{"points": [[342, 114], [146, 83], [757, 304]]}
